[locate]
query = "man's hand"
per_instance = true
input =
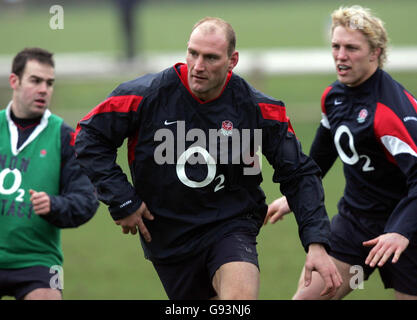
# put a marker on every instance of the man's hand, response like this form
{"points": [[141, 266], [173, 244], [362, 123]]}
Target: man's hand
{"points": [[134, 221], [384, 246], [318, 260], [40, 201], [277, 210]]}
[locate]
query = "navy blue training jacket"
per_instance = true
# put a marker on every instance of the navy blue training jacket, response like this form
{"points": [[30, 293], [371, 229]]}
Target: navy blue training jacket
{"points": [[196, 203], [373, 129]]}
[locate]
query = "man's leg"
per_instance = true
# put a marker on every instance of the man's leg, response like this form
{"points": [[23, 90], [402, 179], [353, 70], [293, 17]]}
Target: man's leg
{"points": [[404, 296], [312, 292], [237, 281], [31, 283], [44, 294]]}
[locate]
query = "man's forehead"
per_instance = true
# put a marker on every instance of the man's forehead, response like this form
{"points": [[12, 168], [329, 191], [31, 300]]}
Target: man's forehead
{"points": [[347, 35], [37, 69], [211, 40]]}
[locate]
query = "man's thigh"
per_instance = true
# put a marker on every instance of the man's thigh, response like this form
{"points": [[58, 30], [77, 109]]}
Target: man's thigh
{"points": [[237, 281], [234, 266], [193, 278], [19, 283]]}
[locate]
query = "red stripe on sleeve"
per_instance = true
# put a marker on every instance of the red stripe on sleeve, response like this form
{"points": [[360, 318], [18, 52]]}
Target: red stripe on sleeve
{"points": [[121, 104], [323, 99], [388, 123], [275, 112]]}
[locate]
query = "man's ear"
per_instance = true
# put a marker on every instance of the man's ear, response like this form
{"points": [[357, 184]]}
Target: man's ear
{"points": [[14, 81], [233, 60], [375, 54]]}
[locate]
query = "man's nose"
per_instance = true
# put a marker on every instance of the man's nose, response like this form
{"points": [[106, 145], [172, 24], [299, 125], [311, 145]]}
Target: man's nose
{"points": [[43, 87], [199, 64], [341, 54]]}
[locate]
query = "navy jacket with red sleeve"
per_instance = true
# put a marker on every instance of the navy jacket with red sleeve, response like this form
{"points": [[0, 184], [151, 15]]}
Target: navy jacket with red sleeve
{"points": [[195, 203]]}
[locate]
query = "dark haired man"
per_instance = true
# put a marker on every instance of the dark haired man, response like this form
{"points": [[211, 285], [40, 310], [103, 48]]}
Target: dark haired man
{"points": [[42, 188]]}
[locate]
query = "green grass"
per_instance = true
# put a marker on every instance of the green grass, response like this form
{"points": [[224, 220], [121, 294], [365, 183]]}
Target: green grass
{"points": [[164, 25]]}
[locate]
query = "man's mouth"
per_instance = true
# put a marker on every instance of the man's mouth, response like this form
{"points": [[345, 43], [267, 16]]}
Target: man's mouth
{"points": [[197, 77], [342, 69], [40, 102]]}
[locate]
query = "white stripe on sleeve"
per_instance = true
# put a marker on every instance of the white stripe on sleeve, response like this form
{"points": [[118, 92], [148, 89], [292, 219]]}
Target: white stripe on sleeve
{"points": [[396, 146], [325, 121]]}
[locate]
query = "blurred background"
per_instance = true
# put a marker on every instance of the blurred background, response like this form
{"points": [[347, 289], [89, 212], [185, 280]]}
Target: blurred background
{"points": [[284, 51]]}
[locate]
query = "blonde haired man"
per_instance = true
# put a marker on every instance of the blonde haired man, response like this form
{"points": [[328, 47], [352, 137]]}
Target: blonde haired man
{"points": [[369, 121]]}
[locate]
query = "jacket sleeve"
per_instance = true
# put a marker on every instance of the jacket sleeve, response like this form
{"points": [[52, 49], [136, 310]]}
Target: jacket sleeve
{"points": [[297, 174], [99, 134], [77, 201], [399, 139], [323, 150]]}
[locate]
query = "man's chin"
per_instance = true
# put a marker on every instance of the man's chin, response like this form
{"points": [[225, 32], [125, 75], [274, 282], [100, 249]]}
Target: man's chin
{"points": [[38, 110], [345, 80], [197, 90]]}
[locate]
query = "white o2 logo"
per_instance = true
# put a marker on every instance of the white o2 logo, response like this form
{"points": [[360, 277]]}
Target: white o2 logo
{"points": [[211, 169], [355, 156], [16, 183]]}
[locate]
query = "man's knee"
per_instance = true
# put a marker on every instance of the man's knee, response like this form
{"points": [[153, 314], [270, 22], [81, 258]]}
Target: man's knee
{"points": [[313, 291], [44, 294], [237, 281]]}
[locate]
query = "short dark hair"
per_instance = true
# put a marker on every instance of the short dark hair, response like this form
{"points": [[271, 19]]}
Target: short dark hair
{"points": [[41, 55]]}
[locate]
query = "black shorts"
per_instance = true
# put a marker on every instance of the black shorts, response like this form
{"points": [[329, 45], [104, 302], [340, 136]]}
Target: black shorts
{"points": [[191, 279], [19, 282], [348, 231]]}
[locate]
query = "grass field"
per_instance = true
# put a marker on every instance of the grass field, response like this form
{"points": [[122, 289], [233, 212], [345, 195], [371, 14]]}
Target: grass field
{"points": [[165, 25], [100, 261]]}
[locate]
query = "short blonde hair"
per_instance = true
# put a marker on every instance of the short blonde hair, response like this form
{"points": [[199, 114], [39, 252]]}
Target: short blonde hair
{"points": [[225, 26], [362, 19]]}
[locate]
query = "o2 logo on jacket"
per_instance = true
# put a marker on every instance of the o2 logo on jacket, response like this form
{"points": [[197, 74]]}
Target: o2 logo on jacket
{"points": [[211, 169], [7, 187], [355, 157], [228, 145]]}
